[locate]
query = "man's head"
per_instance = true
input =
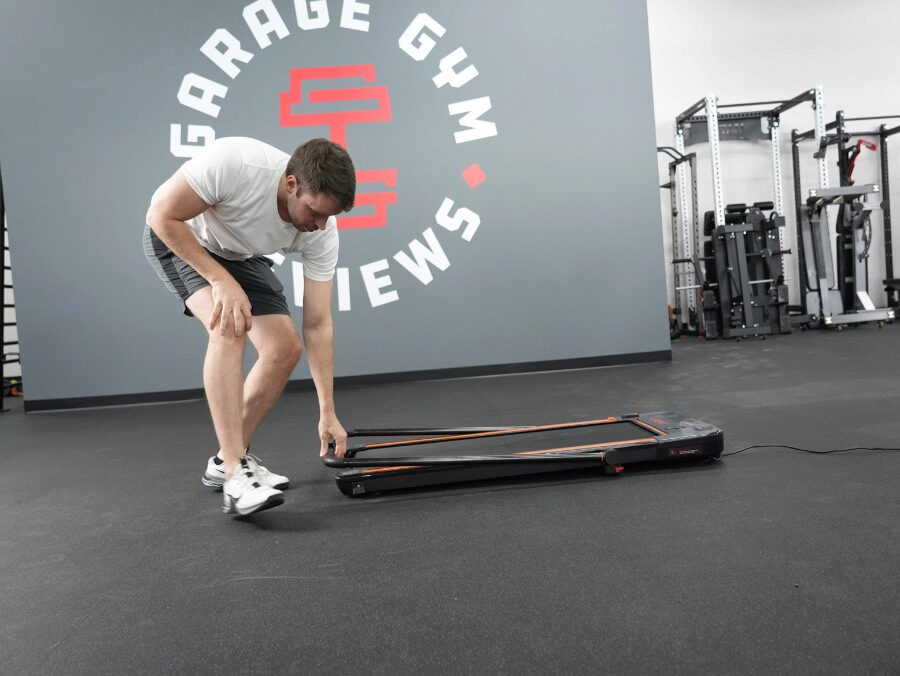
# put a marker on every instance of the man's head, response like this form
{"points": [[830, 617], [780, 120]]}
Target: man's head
{"points": [[320, 181]]}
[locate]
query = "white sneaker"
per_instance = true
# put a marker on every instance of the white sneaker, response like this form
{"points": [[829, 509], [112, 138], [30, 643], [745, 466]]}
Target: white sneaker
{"points": [[214, 476], [245, 495]]}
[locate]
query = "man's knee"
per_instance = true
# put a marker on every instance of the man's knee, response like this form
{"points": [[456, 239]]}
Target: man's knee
{"points": [[284, 352], [226, 341]]}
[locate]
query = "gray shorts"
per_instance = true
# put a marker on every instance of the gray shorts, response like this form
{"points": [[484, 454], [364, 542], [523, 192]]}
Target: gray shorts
{"points": [[254, 275]]}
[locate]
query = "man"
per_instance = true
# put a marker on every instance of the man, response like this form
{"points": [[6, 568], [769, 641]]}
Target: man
{"points": [[208, 230]]}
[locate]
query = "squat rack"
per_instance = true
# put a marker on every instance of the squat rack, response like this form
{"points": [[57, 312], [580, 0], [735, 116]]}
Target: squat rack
{"points": [[704, 123], [685, 319]]}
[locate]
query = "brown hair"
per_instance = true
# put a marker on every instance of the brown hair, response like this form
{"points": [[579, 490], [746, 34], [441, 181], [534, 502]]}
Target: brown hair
{"points": [[322, 166]]}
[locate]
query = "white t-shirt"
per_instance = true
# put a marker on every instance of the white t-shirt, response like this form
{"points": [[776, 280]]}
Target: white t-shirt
{"points": [[238, 177]]}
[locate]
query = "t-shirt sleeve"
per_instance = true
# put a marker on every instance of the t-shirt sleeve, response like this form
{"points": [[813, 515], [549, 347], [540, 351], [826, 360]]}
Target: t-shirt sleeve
{"points": [[213, 173], [321, 255]]}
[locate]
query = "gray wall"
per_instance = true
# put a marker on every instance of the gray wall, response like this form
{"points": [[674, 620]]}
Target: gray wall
{"points": [[567, 261]]}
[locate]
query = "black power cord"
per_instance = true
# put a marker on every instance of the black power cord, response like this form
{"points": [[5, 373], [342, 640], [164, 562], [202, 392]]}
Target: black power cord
{"points": [[806, 450]]}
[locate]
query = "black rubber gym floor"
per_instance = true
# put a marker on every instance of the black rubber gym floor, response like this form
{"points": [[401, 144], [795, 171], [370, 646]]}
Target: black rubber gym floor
{"points": [[115, 560]]}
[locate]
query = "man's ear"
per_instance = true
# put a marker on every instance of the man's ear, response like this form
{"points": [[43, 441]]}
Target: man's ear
{"points": [[291, 183]]}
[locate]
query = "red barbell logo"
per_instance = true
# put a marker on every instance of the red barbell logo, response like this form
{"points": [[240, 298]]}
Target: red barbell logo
{"points": [[305, 95]]}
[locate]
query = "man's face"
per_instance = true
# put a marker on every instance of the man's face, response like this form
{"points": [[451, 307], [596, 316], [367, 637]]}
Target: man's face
{"points": [[310, 211]]}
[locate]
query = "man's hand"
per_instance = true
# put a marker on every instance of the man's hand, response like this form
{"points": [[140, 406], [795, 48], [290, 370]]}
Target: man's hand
{"points": [[231, 311], [330, 429]]}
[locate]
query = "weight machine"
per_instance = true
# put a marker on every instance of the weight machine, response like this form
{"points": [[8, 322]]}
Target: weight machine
{"points": [[837, 283]]}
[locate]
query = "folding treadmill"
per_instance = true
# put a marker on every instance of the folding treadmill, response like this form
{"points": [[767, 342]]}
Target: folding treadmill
{"points": [[495, 452]]}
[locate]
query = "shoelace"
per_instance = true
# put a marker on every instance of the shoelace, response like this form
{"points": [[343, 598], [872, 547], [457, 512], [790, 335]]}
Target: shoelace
{"points": [[259, 467], [244, 477]]}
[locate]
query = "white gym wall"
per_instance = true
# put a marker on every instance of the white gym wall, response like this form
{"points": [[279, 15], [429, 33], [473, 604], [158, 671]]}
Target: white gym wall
{"points": [[766, 50]]}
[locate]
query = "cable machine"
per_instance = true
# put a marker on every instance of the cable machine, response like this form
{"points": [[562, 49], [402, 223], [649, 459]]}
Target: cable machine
{"points": [[837, 283]]}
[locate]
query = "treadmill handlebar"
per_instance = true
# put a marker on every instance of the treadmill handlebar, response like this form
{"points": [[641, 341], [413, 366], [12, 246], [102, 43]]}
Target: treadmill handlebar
{"points": [[364, 432]]}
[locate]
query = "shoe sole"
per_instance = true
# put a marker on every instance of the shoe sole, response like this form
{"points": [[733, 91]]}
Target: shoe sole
{"points": [[216, 483], [271, 501], [212, 482]]}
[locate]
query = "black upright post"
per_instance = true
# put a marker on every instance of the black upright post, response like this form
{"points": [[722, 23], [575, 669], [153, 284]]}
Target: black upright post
{"points": [[802, 284], [844, 239], [843, 155], [3, 409], [886, 214], [7, 356]]}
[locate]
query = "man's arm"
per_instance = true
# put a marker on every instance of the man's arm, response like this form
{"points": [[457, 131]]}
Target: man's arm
{"points": [[177, 202], [318, 335]]}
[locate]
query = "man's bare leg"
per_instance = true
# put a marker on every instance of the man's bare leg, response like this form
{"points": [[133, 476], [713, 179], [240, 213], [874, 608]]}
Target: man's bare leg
{"points": [[223, 380], [279, 348]]}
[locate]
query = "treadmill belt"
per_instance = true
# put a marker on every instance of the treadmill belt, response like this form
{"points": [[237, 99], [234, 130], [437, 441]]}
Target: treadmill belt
{"points": [[484, 444]]}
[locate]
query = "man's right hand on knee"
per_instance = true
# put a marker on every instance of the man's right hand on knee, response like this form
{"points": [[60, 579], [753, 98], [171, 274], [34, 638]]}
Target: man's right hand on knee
{"points": [[231, 309]]}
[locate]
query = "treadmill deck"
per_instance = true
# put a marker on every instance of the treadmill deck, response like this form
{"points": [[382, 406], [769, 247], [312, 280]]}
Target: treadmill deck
{"points": [[496, 452]]}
